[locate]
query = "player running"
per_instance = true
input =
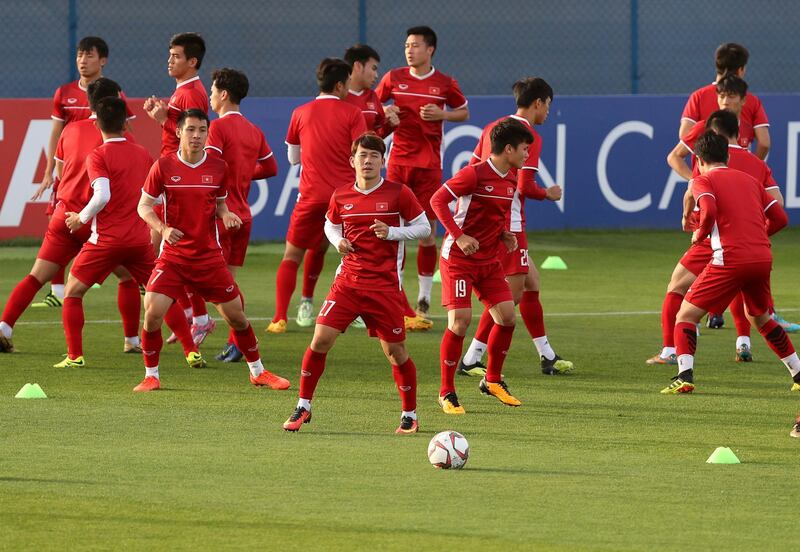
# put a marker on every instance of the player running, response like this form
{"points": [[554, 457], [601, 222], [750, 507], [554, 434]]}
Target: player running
{"points": [[242, 145], [739, 215], [193, 184], [533, 96], [476, 231], [319, 137], [420, 94], [367, 223]]}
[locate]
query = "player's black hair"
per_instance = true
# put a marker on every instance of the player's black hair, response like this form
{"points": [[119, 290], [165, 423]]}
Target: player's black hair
{"points": [[730, 57], [369, 140], [111, 114], [723, 122], [332, 71], [193, 113], [711, 147], [528, 90], [101, 88], [509, 132], [234, 82], [731, 84], [426, 33], [360, 53], [88, 42], [193, 46]]}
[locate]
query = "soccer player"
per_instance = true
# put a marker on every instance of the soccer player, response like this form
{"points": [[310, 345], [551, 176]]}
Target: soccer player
{"points": [[367, 223], [319, 138], [692, 263], [739, 215], [70, 103], [364, 61], [116, 170], [420, 94], [484, 193], [186, 52], [533, 97], [243, 147], [193, 184], [59, 245]]}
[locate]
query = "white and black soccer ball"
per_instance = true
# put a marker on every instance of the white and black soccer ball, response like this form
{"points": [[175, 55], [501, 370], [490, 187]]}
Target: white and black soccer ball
{"points": [[448, 449]]}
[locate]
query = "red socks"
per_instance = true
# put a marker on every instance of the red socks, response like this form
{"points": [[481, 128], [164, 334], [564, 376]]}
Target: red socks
{"points": [[405, 376], [777, 339], [311, 371], [176, 321], [685, 338], [313, 262], [739, 317], [498, 346], [669, 312], [151, 346], [72, 317], [198, 304], [183, 301], [449, 353], [247, 343], [531, 311], [20, 299], [485, 325], [58, 279], [285, 283], [129, 303], [426, 260]]}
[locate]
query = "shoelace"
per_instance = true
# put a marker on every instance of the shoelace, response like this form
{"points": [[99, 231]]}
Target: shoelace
{"points": [[504, 386], [406, 422], [453, 399], [298, 412]]}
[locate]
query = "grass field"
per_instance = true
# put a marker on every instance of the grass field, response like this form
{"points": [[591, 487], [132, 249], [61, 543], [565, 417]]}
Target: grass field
{"points": [[597, 460]]}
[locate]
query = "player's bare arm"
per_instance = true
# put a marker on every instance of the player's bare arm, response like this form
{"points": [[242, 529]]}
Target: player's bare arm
{"points": [[229, 219], [467, 244], [432, 112], [158, 111], [55, 133], [677, 160], [145, 210], [763, 142], [685, 126], [509, 239], [553, 193]]}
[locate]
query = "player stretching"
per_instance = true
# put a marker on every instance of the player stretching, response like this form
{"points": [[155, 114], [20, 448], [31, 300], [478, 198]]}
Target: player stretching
{"points": [[116, 170], [484, 193], [60, 245], [367, 222], [243, 147], [186, 52], [732, 210], [70, 104], [420, 94], [533, 96], [319, 138], [696, 258], [193, 184]]}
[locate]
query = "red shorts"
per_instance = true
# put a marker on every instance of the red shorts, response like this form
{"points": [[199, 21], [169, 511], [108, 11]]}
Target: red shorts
{"points": [[307, 225], [381, 310], [516, 262], [59, 245], [487, 280], [697, 257], [212, 281], [234, 242], [423, 182], [95, 262], [716, 287]]}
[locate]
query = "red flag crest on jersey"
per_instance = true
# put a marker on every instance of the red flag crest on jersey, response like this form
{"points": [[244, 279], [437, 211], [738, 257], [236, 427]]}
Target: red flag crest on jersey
{"points": [[435, 90], [370, 105], [207, 179], [382, 206], [510, 190]]}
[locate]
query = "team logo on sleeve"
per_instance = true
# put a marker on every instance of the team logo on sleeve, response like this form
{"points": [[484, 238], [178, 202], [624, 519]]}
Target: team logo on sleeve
{"points": [[435, 90], [175, 178], [207, 179], [382, 206], [347, 206]]}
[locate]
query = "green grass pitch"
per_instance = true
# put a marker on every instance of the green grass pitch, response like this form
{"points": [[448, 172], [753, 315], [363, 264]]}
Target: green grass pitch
{"points": [[597, 460]]}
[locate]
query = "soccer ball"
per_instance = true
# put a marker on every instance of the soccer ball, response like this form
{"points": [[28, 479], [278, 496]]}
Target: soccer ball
{"points": [[448, 449]]}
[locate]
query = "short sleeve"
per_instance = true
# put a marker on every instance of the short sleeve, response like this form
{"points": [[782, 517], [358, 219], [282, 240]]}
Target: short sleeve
{"points": [[534, 152], [96, 166], [58, 108], [59, 156], [464, 182], [410, 207], [455, 98], [700, 187], [476, 153], [153, 184], [216, 137], [384, 90], [768, 181], [333, 211], [222, 192], [199, 100], [693, 134], [759, 115], [358, 125], [691, 110], [264, 151], [767, 200], [293, 132], [128, 110]]}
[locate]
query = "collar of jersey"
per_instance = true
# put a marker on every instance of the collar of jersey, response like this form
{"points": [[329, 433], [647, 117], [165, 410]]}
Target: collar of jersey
{"points": [[326, 97], [117, 139], [178, 155], [422, 77], [232, 113], [522, 120], [354, 93], [194, 78], [501, 175], [367, 192], [736, 146]]}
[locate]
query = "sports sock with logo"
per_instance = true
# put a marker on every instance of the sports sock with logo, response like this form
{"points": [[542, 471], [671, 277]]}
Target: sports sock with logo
{"points": [[405, 376], [449, 353], [312, 368], [498, 346], [176, 322]]}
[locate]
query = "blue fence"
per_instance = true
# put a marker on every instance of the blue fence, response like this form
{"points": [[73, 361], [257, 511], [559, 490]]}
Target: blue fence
{"points": [[608, 153]]}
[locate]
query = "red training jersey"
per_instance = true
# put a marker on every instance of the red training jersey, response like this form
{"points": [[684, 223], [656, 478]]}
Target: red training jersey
{"points": [[242, 145], [325, 129], [125, 166], [703, 102], [190, 205], [483, 201], [739, 233], [374, 264], [70, 103], [418, 143], [369, 104], [189, 94], [526, 177]]}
